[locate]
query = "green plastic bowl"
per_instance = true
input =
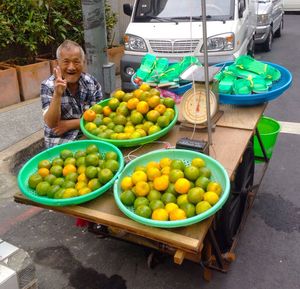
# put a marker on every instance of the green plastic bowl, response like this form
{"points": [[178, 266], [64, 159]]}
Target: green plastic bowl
{"points": [[218, 174], [130, 142], [31, 167]]}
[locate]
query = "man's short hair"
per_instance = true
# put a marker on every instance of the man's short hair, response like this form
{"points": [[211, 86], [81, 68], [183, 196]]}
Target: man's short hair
{"points": [[69, 44]]}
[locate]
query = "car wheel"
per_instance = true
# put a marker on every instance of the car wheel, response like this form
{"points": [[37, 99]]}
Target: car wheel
{"points": [[279, 30], [268, 43]]}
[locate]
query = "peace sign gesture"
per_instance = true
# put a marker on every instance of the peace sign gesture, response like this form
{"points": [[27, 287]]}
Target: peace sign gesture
{"points": [[60, 84]]}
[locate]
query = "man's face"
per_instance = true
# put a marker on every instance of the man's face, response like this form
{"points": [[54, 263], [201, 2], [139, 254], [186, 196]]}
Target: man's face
{"points": [[71, 64]]}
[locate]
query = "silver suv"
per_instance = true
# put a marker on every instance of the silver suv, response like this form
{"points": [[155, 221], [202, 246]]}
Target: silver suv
{"points": [[269, 22]]}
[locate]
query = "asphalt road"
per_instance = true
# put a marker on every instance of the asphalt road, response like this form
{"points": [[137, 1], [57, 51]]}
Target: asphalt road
{"points": [[268, 252]]}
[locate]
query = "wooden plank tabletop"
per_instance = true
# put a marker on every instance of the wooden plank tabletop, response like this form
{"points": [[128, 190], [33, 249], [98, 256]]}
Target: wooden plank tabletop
{"points": [[228, 145]]}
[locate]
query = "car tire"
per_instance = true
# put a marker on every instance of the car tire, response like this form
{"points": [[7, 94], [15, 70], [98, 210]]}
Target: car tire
{"points": [[268, 43], [279, 30]]}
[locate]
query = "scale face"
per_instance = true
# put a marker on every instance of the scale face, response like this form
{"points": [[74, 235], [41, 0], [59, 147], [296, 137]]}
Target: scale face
{"points": [[194, 105]]}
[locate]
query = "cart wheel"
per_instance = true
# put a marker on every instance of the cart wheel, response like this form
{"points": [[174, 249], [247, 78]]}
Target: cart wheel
{"points": [[230, 217]]}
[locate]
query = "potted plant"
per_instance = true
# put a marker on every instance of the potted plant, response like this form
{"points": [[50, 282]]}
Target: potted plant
{"points": [[114, 52], [26, 20]]}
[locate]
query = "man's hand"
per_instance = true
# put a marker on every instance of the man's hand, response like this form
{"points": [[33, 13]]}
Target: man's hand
{"points": [[60, 84], [66, 125]]}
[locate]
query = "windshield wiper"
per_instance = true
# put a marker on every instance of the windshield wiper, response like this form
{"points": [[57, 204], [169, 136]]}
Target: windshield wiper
{"points": [[160, 19], [193, 17]]}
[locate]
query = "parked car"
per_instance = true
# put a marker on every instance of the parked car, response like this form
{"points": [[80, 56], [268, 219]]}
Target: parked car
{"points": [[291, 5], [173, 29], [269, 22]]}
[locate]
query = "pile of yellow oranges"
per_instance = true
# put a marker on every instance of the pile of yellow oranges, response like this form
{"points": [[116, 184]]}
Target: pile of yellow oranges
{"points": [[170, 189]]}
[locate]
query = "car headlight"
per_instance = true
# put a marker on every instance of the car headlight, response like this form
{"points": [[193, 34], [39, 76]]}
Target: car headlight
{"points": [[263, 19], [134, 43], [221, 42]]}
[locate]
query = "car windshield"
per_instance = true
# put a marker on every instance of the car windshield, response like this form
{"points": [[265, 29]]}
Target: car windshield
{"points": [[185, 10]]}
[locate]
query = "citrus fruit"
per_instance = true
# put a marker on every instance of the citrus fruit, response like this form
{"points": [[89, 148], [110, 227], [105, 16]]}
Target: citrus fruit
{"points": [[169, 102], [160, 214], [165, 171], [34, 180], [57, 162], [163, 121], [91, 172], [136, 117], [202, 207], [68, 184], [189, 209], [140, 168], [139, 176], [105, 175], [153, 129], [91, 160], [52, 190], [90, 126], [214, 187], [161, 183], [127, 198], [198, 162], [50, 179], [155, 204], [170, 207], [177, 164], [165, 162], [140, 201], [84, 191], [142, 107], [177, 214], [69, 193], [44, 164], [82, 178], [152, 115], [97, 108], [142, 189], [211, 197], [66, 154], [89, 115], [94, 184], [119, 94], [202, 182], [113, 103], [69, 169], [182, 186], [154, 195], [195, 195], [126, 183], [43, 172], [113, 165], [143, 211], [70, 160], [153, 173], [80, 185], [153, 164], [56, 170], [171, 189], [145, 87], [80, 161], [191, 173], [92, 148], [106, 110], [42, 188], [59, 193], [205, 172], [175, 174], [168, 198], [59, 181], [182, 199], [72, 176]]}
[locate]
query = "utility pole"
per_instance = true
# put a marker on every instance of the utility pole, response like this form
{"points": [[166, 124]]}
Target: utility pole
{"points": [[96, 45]]}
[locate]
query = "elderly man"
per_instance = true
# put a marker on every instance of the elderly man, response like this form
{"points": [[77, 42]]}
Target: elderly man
{"points": [[66, 94]]}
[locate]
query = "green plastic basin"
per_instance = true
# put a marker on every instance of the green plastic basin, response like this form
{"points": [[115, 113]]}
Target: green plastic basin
{"points": [[218, 174], [130, 142], [31, 167]]}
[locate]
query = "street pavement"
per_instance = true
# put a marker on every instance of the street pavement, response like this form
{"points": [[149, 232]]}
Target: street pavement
{"points": [[68, 257]]}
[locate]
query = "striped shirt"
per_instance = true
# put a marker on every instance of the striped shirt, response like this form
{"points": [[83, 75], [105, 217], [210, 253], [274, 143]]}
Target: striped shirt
{"points": [[72, 107]]}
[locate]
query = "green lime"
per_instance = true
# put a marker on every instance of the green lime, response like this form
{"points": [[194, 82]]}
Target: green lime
{"points": [[80, 161], [57, 162], [94, 184], [168, 198], [92, 148], [111, 155], [155, 204], [175, 174], [191, 173], [68, 184], [202, 182], [59, 181], [56, 170], [195, 195], [97, 108], [113, 165], [143, 211], [140, 201], [80, 153], [205, 172], [171, 189], [202, 207], [92, 160], [154, 195], [42, 188], [34, 180], [64, 154], [189, 209], [127, 198], [91, 172], [178, 164], [50, 179], [70, 160], [44, 164], [71, 177], [53, 189], [59, 193]]}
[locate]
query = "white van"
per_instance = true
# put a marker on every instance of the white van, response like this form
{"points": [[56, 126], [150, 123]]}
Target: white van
{"points": [[173, 29]]}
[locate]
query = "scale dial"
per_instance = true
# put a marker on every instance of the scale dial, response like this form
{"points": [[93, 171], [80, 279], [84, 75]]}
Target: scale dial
{"points": [[194, 105]]}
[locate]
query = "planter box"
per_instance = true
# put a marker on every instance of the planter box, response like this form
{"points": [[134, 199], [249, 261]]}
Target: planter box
{"points": [[30, 78], [53, 63], [9, 86], [114, 55]]}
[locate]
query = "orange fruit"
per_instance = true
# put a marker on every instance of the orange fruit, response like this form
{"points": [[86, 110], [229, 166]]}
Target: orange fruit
{"points": [[202, 207], [168, 198], [182, 186], [165, 162], [69, 169], [119, 94], [182, 199], [152, 115], [137, 93], [139, 176], [154, 129], [160, 214], [161, 108], [107, 110], [142, 107], [126, 183], [82, 178], [69, 193], [142, 189], [165, 171], [97, 108], [153, 173], [84, 191], [132, 103], [42, 188], [198, 162], [204, 171], [214, 187], [211, 197], [169, 102], [153, 101], [153, 195], [202, 182], [152, 164], [89, 115], [56, 170], [81, 169], [80, 185], [90, 126], [170, 207], [177, 214], [161, 183], [145, 87], [43, 172]]}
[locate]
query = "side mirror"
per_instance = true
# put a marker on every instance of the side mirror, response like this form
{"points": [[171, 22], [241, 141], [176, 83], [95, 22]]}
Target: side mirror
{"points": [[241, 8], [127, 9]]}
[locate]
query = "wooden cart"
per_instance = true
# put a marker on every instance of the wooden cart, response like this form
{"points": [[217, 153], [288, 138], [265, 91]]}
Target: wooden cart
{"points": [[201, 242]]}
